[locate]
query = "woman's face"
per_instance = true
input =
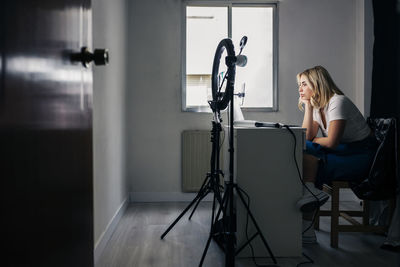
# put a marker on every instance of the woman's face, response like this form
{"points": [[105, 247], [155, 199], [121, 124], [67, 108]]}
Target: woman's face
{"points": [[305, 90]]}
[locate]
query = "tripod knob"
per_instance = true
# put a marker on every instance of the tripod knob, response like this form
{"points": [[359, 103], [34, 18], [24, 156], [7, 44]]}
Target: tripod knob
{"points": [[99, 57]]}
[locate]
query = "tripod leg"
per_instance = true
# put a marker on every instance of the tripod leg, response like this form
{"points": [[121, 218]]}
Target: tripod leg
{"points": [[215, 189], [179, 217], [204, 183], [198, 202], [230, 233], [256, 225], [211, 232], [199, 194]]}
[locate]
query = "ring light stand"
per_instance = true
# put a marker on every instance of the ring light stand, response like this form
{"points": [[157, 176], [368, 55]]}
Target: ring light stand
{"points": [[220, 101]]}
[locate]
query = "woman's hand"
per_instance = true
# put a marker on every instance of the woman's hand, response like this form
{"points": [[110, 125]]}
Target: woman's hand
{"points": [[335, 133], [306, 103], [308, 122]]}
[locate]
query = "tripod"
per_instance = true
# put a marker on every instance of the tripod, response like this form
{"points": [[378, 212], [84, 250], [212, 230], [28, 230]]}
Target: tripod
{"points": [[212, 184], [212, 181], [227, 208]]}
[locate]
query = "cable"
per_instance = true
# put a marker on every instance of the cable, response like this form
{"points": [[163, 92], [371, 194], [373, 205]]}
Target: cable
{"points": [[223, 80], [304, 185], [227, 113], [298, 171], [220, 146], [247, 225], [223, 138], [247, 217]]}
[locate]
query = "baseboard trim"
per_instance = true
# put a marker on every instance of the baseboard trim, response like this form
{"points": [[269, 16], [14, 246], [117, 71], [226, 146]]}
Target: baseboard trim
{"points": [[106, 235], [165, 197], [345, 195]]}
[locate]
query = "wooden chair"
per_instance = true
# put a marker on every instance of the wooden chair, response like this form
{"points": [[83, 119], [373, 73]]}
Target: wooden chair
{"points": [[386, 157], [348, 215]]}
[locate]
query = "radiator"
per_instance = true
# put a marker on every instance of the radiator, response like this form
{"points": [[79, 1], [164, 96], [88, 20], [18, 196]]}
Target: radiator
{"points": [[196, 156]]}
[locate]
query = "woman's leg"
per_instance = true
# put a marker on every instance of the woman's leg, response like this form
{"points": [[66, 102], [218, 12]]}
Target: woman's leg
{"points": [[312, 197], [310, 168], [308, 203]]}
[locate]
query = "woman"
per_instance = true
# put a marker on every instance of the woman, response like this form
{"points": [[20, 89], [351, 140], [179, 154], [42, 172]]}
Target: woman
{"points": [[345, 150]]}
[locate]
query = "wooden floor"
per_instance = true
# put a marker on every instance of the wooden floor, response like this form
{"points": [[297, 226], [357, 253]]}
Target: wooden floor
{"points": [[136, 242]]}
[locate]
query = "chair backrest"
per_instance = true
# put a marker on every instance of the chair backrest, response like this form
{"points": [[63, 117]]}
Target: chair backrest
{"points": [[381, 181]]}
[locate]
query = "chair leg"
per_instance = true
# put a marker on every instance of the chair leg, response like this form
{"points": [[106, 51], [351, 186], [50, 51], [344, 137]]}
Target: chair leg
{"points": [[392, 208], [335, 216], [365, 218], [317, 217]]}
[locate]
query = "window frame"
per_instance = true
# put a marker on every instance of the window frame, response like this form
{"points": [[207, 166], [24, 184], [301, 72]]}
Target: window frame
{"points": [[229, 5]]}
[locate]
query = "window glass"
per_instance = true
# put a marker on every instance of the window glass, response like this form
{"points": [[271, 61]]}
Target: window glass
{"points": [[205, 28], [257, 75]]}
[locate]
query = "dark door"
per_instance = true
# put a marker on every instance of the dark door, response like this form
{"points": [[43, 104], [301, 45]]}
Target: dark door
{"points": [[45, 134]]}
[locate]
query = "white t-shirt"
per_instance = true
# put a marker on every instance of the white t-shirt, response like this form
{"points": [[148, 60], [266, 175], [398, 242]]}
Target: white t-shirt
{"points": [[340, 107]]}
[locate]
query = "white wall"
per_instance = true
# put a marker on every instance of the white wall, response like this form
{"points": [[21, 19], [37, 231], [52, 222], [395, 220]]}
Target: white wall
{"points": [[154, 117], [109, 84], [311, 32]]}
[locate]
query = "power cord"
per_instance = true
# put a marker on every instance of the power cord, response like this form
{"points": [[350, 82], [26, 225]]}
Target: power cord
{"points": [[247, 221], [310, 260], [223, 139], [299, 174], [251, 247], [301, 180], [247, 235]]}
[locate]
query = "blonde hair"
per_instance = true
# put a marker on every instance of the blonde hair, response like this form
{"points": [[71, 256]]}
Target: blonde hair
{"points": [[322, 85]]}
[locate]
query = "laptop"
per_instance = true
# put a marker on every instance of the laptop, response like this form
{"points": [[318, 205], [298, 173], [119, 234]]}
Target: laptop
{"points": [[240, 121]]}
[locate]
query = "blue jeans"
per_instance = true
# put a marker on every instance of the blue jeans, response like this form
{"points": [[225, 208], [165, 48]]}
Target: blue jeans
{"points": [[347, 162]]}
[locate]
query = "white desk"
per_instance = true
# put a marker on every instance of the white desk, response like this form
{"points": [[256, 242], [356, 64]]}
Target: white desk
{"points": [[266, 170]]}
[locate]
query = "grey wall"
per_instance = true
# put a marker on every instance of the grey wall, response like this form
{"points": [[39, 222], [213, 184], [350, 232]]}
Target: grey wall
{"points": [[109, 84], [311, 32]]}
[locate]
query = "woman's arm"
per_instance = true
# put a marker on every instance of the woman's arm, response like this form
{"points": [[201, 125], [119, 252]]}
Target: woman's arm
{"points": [[308, 122], [335, 133]]}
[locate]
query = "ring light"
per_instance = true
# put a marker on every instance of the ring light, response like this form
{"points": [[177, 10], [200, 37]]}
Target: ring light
{"points": [[221, 100]]}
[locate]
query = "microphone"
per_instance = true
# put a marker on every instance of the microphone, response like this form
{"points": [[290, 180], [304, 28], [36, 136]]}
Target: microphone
{"points": [[241, 60], [243, 42]]}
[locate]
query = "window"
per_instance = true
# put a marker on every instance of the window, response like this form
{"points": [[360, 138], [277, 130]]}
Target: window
{"points": [[206, 25]]}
